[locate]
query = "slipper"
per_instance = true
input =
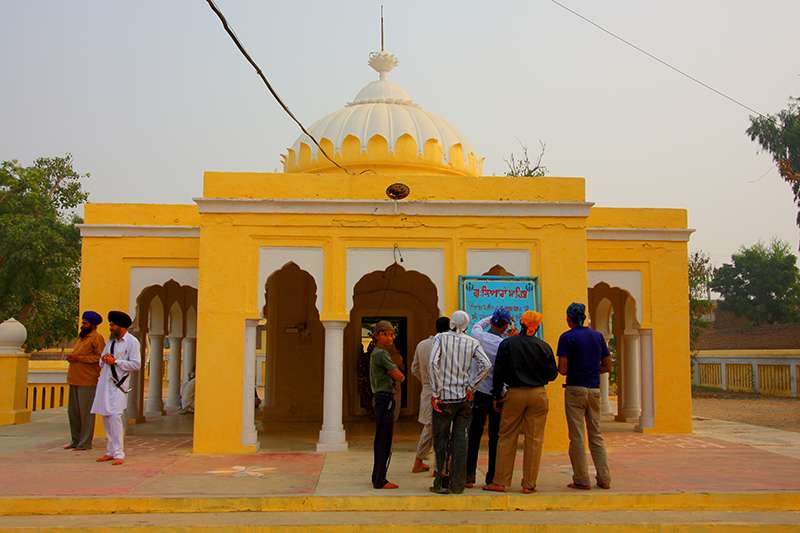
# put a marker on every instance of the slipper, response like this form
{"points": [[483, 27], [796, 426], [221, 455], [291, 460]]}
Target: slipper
{"points": [[68, 446], [390, 485], [604, 486], [579, 487], [104, 458], [494, 487], [117, 462], [469, 485], [526, 490]]}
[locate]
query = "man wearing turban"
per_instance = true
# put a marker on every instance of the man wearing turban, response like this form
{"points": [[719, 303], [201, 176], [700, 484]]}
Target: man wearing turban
{"points": [[582, 356], [524, 365], [120, 357], [82, 379]]}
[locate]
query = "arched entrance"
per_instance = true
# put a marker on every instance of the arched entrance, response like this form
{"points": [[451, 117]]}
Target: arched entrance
{"points": [[612, 312], [294, 341], [409, 299], [166, 325]]}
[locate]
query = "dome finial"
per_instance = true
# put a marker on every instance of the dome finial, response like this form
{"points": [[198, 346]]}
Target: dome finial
{"points": [[383, 62]]}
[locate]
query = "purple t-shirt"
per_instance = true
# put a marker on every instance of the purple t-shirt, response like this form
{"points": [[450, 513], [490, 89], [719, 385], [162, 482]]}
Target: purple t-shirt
{"points": [[583, 348]]}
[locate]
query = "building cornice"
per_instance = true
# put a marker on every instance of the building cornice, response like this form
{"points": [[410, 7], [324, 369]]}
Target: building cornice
{"points": [[639, 234], [131, 230], [487, 208]]}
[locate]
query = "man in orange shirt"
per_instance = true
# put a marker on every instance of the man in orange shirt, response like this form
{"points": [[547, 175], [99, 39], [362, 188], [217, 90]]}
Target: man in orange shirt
{"points": [[84, 369]]}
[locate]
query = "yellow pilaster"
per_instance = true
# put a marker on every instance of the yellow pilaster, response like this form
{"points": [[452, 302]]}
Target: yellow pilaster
{"points": [[13, 374]]}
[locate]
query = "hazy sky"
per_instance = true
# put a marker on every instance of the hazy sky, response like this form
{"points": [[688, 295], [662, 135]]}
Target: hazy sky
{"points": [[148, 95]]}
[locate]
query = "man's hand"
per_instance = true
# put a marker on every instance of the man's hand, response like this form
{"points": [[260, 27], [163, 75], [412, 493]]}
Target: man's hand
{"points": [[435, 403], [109, 359], [498, 404], [470, 394]]}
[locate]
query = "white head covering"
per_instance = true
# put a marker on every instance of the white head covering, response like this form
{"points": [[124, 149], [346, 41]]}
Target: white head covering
{"points": [[459, 321]]}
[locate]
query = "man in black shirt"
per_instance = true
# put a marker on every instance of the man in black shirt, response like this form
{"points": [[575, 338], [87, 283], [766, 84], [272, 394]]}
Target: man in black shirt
{"points": [[524, 364]]}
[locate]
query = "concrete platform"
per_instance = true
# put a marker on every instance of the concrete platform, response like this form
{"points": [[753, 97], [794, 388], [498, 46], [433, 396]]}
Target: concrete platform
{"points": [[722, 468]]}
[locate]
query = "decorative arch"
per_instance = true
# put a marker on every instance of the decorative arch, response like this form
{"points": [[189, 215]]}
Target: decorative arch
{"points": [[175, 321], [273, 258]]}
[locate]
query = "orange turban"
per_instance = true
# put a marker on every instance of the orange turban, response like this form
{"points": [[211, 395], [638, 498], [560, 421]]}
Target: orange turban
{"points": [[531, 321]]}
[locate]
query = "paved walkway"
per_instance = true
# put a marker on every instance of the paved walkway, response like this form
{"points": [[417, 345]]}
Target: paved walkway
{"points": [[720, 456]]}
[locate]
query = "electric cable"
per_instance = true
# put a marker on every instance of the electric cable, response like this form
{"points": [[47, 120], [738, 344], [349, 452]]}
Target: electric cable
{"points": [[656, 58], [261, 75]]}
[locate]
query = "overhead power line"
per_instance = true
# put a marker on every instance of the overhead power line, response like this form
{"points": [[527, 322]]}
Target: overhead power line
{"points": [[261, 75], [656, 58]]}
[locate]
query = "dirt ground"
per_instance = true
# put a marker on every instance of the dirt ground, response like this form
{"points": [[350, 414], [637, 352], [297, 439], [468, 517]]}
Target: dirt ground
{"points": [[779, 413]]}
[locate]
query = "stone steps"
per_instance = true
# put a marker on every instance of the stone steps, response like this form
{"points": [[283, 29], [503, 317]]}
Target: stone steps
{"points": [[422, 521]]}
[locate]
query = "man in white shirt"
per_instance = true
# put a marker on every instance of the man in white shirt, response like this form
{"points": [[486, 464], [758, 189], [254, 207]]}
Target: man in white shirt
{"points": [[120, 357], [419, 368], [483, 405], [458, 364]]}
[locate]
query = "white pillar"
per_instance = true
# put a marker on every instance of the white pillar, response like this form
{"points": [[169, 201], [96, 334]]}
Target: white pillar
{"points": [[188, 350], [631, 400], [331, 436], [647, 418], [154, 406], [605, 405], [174, 374], [249, 432], [133, 414]]}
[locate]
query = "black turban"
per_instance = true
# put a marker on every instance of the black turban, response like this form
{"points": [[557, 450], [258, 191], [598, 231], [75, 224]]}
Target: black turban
{"points": [[120, 319], [577, 313]]}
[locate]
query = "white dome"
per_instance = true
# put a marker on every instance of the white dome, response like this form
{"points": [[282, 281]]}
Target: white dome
{"points": [[384, 108]]}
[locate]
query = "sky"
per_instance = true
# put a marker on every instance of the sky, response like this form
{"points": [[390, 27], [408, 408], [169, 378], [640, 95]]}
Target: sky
{"points": [[147, 96]]}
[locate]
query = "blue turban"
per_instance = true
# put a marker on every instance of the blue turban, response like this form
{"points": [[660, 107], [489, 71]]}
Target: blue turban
{"points": [[92, 318], [577, 313], [501, 317]]}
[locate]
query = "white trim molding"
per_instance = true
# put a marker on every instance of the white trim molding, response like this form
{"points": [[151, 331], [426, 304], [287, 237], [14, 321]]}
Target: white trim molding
{"points": [[362, 261], [132, 230], [273, 258], [639, 234], [143, 277], [629, 280], [493, 208], [518, 262]]}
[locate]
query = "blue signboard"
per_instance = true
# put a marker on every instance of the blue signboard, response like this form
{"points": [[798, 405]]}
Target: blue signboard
{"points": [[481, 295]]}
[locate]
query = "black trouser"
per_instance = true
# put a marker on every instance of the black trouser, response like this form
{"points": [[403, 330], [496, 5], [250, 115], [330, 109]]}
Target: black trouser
{"points": [[383, 403], [81, 420], [450, 443], [482, 408]]}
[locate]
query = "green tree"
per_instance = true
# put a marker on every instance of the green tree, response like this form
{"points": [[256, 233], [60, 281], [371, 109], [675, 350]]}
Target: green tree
{"points": [[523, 166], [780, 136], [700, 274], [40, 247], [761, 284]]}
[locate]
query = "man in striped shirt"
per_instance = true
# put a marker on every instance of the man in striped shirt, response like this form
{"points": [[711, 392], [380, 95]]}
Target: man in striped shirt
{"points": [[458, 364]]}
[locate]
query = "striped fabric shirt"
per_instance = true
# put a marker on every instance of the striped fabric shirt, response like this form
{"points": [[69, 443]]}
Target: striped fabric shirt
{"points": [[457, 362]]}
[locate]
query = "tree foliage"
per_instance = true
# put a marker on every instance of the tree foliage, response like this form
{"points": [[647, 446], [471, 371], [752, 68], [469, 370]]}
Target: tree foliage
{"points": [[40, 247], [780, 136], [701, 272], [761, 284], [523, 166]]}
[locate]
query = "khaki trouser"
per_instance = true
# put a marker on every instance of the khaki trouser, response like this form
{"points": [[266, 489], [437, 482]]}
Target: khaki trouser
{"points": [[583, 405], [425, 442], [525, 409]]}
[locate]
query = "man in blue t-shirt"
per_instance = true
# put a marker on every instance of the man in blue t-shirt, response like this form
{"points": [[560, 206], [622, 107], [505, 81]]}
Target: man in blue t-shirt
{"points": [[582, 357]]}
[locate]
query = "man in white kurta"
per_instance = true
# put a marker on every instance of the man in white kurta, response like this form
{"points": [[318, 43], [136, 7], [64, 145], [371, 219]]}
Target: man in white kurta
{"points": [[122, 352], [419, 368]]}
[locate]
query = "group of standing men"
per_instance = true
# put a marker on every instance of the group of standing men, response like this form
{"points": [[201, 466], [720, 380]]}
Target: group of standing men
{"points": [[98, 378], [497, 374]]}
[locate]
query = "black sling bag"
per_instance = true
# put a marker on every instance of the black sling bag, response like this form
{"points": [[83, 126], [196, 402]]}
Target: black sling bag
{"points": [[114, 377]]}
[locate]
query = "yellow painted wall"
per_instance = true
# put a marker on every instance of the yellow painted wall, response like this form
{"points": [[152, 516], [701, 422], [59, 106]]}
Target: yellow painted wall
{"points": [[372, 186], [13, 384], [229, 282], [228, 249], [665, 309]]}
